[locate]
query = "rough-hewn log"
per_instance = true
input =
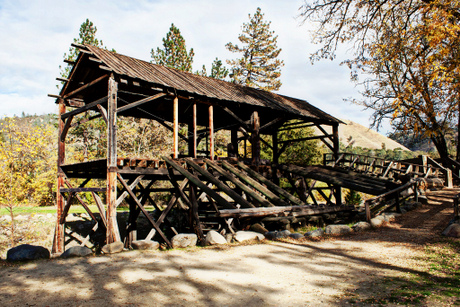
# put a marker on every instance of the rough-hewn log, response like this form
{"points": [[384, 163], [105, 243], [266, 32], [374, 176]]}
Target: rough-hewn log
{"points": [[255, 138], [269, 194], [113, 233], [287, 211], [235, 196], [78, 90], [140, 102], [211, 132], [176, 127], [263, 202], [193, 179]]}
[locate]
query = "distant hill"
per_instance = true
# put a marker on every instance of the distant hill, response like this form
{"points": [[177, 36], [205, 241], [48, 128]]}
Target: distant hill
{"points": [[365, 137]]}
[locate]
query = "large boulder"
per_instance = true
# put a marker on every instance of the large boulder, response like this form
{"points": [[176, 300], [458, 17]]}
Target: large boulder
{"points": [[76, 251], [337, 229], [296, 236], [112, 248], [241, 236], [184, 240], [275, 235], [377, 221], [315, 233], [361, 226], [145, 244], [453, 230], [215, 238], [26, 252]]}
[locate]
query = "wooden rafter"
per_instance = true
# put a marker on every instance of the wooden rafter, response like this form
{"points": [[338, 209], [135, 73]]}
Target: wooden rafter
{"points": [[84, 87]]}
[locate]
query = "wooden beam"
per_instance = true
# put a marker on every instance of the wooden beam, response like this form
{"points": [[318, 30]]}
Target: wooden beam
{"points": [[141, 207], [193, 179], [271, 185], [176, 128], [66, 128], [103, 112], [236, 117], [236, 197], [195, 134], [85, 108], [113, 233], [255, 138], [263, 190], [287, 211], [140, 102], [271, 123], [228, 176], [84, 87], [211, 131]]}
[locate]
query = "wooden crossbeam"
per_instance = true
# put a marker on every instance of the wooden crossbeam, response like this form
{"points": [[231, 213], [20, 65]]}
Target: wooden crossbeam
{"points": [[141, 207], [86, 86], [85, 108], [237, 118], [288, 211], [139, 102], [66, 128], [262, 201], [131, 186], [100, 207], [240, 200]]}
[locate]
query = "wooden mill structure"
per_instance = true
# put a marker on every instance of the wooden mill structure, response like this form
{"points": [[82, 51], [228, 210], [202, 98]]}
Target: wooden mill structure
{"points": [[110, 85]]}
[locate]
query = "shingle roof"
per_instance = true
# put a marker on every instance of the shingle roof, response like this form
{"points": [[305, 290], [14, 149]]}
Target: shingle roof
{"points": [[204, 86]]}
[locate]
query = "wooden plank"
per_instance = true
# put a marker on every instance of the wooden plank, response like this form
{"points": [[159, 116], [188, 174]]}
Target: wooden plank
{"points": [[219, 184], [263, 202], [132, 186], [100, 207], [255, 138], [84, 87], [193, 179], [141, 207], [237, 118], [140, 102], [103, 112], [269, 194], [273, 122]]}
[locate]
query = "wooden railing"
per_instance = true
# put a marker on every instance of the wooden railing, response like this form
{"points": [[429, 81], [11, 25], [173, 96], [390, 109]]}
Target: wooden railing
{"points": [[384, 168], [393, 198]]}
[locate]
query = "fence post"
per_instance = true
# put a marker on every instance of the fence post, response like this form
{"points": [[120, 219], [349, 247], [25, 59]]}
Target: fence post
{"points": [[368, 211], [456, 213]]}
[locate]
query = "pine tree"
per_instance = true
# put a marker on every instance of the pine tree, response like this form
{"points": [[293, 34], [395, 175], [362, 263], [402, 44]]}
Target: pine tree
{"points": [[87, 35], [174, 53], [218, 70], [259, 66]]}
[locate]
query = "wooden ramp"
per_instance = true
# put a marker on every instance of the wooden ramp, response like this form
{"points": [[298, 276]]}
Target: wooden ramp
{"points": [[224, 191], [343, 178]]}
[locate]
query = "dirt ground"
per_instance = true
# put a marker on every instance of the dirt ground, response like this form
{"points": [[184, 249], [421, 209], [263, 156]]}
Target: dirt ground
{"points": [[297, 273]]}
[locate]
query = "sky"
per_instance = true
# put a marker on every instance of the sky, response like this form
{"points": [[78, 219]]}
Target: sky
{"points": [[36, 34]]}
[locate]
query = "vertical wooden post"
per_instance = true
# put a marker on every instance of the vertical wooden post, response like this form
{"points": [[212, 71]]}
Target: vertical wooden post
{"points": [[255, 138], [368, 212], [335, 133], [211, 132], [195, 130], [176, 127], [276, 157], [113, 233], [58, 241], [234, 141]]}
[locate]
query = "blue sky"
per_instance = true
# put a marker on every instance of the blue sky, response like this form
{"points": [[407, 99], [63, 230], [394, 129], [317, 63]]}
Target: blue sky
{"points": [[36, 34]]}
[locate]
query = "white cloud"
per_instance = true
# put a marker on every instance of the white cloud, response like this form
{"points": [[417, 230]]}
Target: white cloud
{"points": [[35, 35]]}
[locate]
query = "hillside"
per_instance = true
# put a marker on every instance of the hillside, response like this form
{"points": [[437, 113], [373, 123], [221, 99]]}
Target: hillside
{"points": [[365, 137]]}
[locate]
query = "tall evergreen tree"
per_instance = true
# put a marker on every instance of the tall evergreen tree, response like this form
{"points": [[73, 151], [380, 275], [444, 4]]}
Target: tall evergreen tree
{"points": [[259, 66], [174, 53], [87, 35], [218, 70]]}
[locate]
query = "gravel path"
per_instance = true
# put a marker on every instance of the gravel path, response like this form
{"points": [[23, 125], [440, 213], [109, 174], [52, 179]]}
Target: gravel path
{"points": [[304, 273]]}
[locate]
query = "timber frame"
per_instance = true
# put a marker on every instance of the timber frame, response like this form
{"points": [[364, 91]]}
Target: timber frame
{"points": [[112, 85]]}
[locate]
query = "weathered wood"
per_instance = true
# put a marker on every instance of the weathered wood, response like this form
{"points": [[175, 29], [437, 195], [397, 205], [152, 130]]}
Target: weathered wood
{"points": [[196, 223], [176, 128], [100, 207], [140, 102], [286, 211], [235, 196], [77, 190], [193, 179], [141, 207], [132, 186], [171, 203], [85, 108], [84, 87], [211, 132], [237, 118], [58, 241], [255, 138], [103, 112], [259, 199], [113, 233], [266, 192]]}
